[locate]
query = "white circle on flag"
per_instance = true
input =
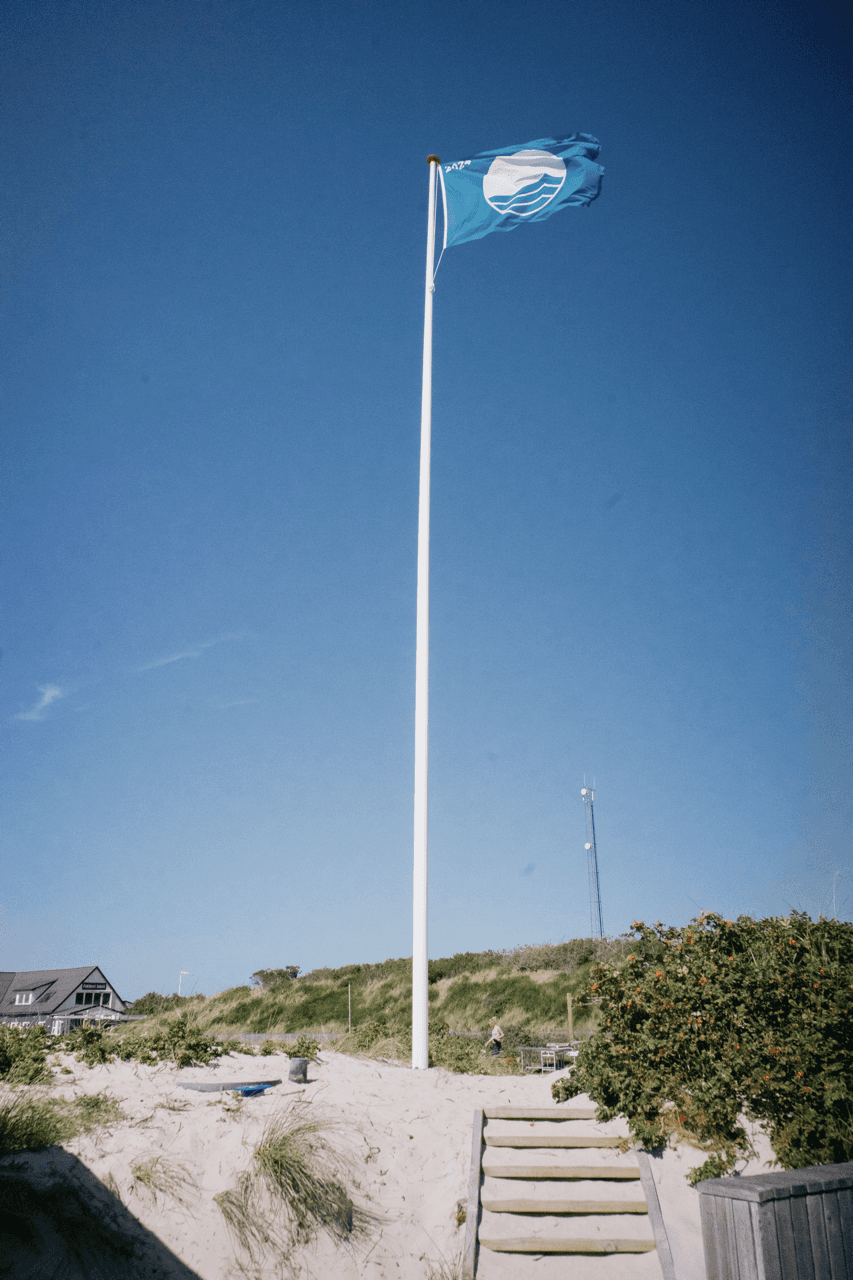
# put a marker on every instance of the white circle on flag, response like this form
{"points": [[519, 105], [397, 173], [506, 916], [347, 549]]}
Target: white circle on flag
{"points": [[524, 182]]}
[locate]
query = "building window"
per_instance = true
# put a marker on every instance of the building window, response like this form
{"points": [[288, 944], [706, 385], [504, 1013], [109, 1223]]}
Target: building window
{"points": [[92, 997], [24, 997]]}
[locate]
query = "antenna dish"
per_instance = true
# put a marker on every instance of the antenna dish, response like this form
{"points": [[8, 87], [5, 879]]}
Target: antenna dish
{"points": [[587, 846], [583, 791]]}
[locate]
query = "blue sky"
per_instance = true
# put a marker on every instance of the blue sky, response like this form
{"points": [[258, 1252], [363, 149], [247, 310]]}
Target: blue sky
{"points": [[212, 326]]}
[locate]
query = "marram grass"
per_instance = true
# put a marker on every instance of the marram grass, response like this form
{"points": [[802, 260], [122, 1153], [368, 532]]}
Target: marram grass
{"points": [[301, 1172], [294, 1188], [466, 990], [160, 1177]]}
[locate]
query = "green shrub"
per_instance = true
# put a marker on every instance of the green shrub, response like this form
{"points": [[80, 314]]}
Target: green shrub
{"points": [[564, 956], [236, 1045], [179, 1040], [154, 1003], [89, 1045], [463, 962], [720, 1019], [367, 1034], [304, 1047], [515, 1037], [23, 1055], [270, 978], [269, 1047], [454, 1053]]}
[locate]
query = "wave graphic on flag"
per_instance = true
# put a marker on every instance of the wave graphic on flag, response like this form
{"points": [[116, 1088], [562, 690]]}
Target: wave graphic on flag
{"points": [[528, 200], [523, 183]]}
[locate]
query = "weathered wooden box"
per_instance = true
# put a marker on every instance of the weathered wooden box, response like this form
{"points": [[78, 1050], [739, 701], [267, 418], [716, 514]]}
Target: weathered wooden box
{"points": [[792, 1225]]}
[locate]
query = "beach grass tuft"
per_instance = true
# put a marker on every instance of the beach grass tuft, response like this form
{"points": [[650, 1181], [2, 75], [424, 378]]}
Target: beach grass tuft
{"points": [[97, 1111], [294, 1188], [301, 1173], [30, 1124], [159, 1176], [252, 1228]]}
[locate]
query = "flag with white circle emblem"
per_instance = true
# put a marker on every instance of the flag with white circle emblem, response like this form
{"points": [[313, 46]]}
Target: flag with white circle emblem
{"points": [[499, 190]]}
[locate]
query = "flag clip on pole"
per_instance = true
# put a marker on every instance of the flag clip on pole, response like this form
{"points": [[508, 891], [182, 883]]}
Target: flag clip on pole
{"points": [[420, 1002]]}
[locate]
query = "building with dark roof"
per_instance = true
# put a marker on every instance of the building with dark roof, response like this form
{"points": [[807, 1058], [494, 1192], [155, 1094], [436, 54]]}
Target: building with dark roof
{"points": [[58, 999]]}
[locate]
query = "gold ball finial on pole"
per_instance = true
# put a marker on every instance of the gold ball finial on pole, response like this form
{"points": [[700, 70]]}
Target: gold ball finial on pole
{"points": [[437, 159]]}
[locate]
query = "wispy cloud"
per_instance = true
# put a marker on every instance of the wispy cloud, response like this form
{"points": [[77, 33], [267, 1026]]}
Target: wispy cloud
{"points": [[195, 652], [49, 693]]}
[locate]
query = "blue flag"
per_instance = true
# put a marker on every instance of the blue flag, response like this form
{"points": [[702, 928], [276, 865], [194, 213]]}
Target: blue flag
{"points": [[499, 190]]}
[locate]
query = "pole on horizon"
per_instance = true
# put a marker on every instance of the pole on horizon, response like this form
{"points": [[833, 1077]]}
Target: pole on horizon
{"points": [[420, 1000]]}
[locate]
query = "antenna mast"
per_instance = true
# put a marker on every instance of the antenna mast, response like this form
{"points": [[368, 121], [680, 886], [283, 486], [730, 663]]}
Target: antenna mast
{"points": [[592, 866]]}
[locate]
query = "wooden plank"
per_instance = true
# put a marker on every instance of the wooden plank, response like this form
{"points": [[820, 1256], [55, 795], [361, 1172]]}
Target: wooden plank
{"points": [[469, 1253], [565, 1141], [785, 1236], [545, 1244], [714, 1257], [655, 1216], [802, 1243], [580, 1172], [566, 1206], [725, 1227], [845, 1213], [834, 1237], [817, 1234], [741, 1221], [729, 1239], [766, 1242], [539, 1113]]}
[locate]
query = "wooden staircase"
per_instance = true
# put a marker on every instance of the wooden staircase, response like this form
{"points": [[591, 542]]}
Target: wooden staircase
{"points": [[545, 1181]]}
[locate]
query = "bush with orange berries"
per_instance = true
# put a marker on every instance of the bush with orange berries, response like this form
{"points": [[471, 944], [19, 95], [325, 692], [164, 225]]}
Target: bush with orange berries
{"points": [[723, 1019]]}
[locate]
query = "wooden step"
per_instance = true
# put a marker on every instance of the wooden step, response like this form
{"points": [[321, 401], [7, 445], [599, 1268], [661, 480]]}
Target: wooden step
{"points": [[550, 1140], [539, 1113], [578, 1172], [565, 1206], [542, 1244]]}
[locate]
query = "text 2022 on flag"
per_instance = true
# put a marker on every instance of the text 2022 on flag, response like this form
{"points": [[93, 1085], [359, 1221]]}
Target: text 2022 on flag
{"points": [[499, 190]]}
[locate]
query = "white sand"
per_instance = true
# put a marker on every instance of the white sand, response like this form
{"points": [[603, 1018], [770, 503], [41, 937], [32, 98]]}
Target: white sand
{"points": [[406, 1133]]}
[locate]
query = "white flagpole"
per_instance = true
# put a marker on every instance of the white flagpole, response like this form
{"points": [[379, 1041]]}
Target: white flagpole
{"points": [[420, 1002]]}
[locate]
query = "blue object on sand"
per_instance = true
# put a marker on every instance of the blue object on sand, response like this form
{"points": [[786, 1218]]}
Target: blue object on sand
{"points": [[251, 1090], [208, 1086]]}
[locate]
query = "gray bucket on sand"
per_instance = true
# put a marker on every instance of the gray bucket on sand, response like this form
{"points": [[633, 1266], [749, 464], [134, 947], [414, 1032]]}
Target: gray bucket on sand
{"points": [[298, 1070]]}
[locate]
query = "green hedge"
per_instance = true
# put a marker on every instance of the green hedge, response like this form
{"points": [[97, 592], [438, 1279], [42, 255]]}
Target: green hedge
{"points": [[704, 1024]]}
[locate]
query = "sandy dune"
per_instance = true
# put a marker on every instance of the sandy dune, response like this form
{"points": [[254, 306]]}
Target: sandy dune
{"points": [[406, 1135]]}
